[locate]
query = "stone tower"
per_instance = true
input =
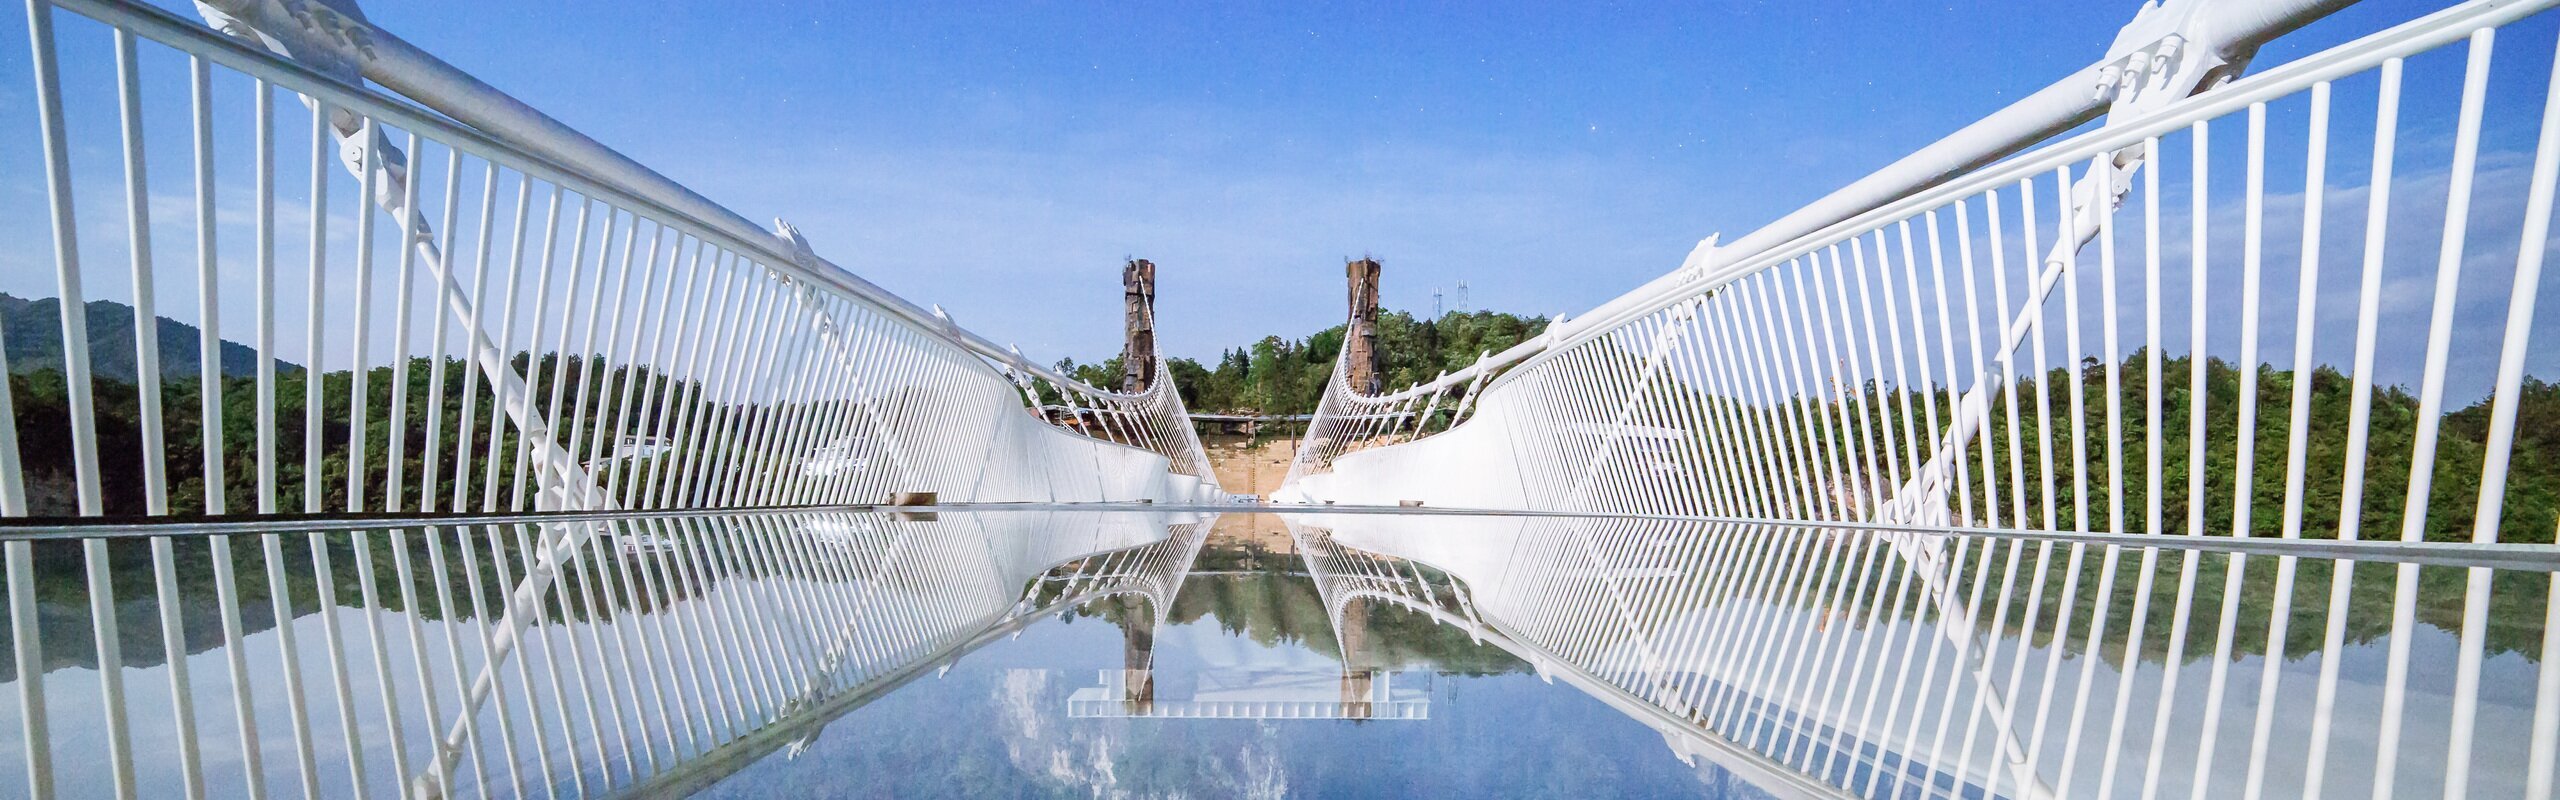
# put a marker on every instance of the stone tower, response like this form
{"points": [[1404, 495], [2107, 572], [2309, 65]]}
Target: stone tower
{"points": [[1360, 339], [1138, 357]]}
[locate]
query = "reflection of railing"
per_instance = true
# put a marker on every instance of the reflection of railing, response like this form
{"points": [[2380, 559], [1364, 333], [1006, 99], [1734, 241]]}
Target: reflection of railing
{"points": [[1282, 695], [632, 649], [1155, 571], [1343, 575], [2022, 664], [494, 312]]}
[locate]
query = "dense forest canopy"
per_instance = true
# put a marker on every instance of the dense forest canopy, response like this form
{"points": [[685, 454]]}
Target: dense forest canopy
{"points": [[1287, 376]]}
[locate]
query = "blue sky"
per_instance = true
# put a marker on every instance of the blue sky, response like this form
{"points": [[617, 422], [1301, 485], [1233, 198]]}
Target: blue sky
{"points": [[1000, 161]]}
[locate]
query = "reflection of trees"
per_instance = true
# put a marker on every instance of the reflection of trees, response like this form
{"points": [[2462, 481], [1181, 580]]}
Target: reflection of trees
{"points": [[1402, 638], [2515, 606], [1273, 609], [2515, 609], [62, 587]]}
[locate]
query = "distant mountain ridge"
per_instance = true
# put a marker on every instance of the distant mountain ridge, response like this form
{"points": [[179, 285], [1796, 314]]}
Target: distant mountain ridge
{"points": [[34, 328]]}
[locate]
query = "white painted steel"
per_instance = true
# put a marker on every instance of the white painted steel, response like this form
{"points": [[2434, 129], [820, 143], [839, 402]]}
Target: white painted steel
{"points": [[1857, 369], [715, 367], [1352, 415], [711, 364], [1810, 372]]}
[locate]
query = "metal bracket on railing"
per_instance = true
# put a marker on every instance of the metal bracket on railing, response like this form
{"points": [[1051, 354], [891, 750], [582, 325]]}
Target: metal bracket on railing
{"points": [[2168, 52], [797, 246], [329, 35], [806, 259], [801, 254], [1467, 401], [1700, 258]]}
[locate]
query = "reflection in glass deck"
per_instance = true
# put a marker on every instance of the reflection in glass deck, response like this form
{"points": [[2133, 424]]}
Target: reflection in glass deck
{"points": [[1362, 694], [1248, 685], [1895, 664], [558, 658], [1124, 653]]}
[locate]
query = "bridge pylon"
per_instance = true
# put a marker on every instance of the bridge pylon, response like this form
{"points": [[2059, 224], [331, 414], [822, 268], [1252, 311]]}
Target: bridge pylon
{"points": [[1360, 336], [1138, 296]]}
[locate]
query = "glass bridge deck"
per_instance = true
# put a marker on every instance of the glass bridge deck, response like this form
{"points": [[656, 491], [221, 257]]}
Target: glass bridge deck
{"points": [[990, 651]]}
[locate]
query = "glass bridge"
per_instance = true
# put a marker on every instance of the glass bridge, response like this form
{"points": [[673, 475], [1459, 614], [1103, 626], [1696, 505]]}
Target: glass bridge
{"points": [[1041, 651], [2172, 432]]}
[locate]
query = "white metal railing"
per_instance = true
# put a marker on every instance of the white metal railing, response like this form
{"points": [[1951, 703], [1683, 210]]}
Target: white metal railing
{"points": [[1818, 662], [1940, 258], [652, 651], [2140, 330], [493, 316], [1153, 420], [1373, 699]]}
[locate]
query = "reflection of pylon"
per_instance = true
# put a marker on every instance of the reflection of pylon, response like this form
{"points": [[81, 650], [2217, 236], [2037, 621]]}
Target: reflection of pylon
{"points": [[1462, 297], [1138, 655]]}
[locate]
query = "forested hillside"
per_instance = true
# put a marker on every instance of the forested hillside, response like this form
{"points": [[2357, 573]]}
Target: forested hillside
{"points": [[1287, 376], [34, 328]]}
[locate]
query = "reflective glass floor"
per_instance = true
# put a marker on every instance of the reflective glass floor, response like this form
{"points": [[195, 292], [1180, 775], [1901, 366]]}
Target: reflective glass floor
{"points": [[1252, 697], [1150, 652]]}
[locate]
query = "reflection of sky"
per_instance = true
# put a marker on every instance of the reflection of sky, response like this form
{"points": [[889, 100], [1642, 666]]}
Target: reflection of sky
{"points": [[995, 726]]}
